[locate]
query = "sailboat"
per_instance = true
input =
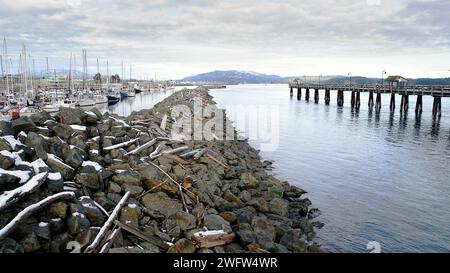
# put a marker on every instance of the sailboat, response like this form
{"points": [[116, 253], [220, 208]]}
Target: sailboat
{"points": [[85, 99]]}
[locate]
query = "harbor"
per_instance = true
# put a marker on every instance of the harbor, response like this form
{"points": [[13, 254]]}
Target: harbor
{"points": [[29, 91]]}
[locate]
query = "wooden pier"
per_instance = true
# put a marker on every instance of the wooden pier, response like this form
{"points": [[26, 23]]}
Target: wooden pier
{"points": [[437, 92]]}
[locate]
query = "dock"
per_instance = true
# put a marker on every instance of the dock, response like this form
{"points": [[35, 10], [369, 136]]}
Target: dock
{"points": [[437, 92]]}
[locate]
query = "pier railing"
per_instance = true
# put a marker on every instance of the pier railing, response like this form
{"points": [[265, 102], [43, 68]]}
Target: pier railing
{"points": [[436, 91]]}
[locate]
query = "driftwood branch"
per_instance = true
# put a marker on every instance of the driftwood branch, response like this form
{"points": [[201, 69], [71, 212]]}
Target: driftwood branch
{"points": [[190, 154], [151, 239], [156, 152], [10, 197], [210, 239], [120, 145], [216, 160], [200, 153], [150, 190], [146, 145], [164, 122], [110, 240], [101, 234], [28, 211], [176, 159], [192, 195]]}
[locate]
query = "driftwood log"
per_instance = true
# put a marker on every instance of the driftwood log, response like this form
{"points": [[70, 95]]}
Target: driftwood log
{"points": [[28, 211], [120, 145], [151, 239], [147, 145], [8, 198], [102, 233], [210, 239]]}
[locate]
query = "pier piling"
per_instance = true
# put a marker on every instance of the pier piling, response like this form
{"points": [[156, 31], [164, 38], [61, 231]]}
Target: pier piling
{"points": [[353, 99], [316, 96], [378, 102], [340, 97], [392, 104], [419, 105], [307, 94], [327, 96], [358, 100], [371, 104], [437, 107], [299, 93], [292, 92], [404, 105]]}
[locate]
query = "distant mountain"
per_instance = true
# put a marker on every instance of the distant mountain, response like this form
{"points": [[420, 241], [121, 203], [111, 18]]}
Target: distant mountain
{"points": [[237, 77], [61, 73], [232, 77]]}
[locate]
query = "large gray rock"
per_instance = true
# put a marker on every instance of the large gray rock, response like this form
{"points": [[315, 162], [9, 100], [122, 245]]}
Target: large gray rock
{"points": [[74, 157], [71, 116], [61, 130], [89, 180], [6, 160], [8, 182], [127, 177], [161, 202], [23, 124], [6, 128], [91, 211], [215, 222], [56, 165], [248, 181], [38, 143], [279, 206], [76, 223], [4, 145], [8, 245], [40, 118], [182, 219], [55, 182], [30, 243]]}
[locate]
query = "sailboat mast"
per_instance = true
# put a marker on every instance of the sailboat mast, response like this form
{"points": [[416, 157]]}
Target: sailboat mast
{"points": [[70, 74]]}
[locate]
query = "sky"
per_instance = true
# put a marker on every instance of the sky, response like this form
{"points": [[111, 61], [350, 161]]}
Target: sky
{"points": [[172, 39]]}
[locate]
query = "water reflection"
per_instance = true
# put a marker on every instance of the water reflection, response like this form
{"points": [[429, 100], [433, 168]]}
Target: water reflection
{"points": [[397, 195]]}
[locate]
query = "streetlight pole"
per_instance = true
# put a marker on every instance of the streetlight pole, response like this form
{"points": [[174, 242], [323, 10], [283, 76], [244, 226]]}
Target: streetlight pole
{"points": [[382, 77]]}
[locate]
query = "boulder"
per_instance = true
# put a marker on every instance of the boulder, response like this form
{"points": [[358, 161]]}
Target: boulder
{"points": [[74, 157], [6, 128], [76, 223], [4, 145], [215, 222], [8, 182], [181, 219], [30, 243], [6, 160], [261, 225], [23, 124], [56, 165], [39, 144], [91, 211], [260, 204], [8, 245], [58, 209], [182, 246], [41, 118], [61, 130], [245, 215], [71, 116], [130, 215], [279, 206], [161, 202], [55, 182], [127, 177], [89, 180], [59, 243]]}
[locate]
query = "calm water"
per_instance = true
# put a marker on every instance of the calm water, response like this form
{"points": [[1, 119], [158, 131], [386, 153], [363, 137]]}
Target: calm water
{"points": [[375, 177]]}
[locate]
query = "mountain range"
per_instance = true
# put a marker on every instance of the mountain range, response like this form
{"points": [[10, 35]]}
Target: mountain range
{"points": [[242, 77]]}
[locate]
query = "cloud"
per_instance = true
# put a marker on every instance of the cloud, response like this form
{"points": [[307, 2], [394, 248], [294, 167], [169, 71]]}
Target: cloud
{"points": [[285, 37]]}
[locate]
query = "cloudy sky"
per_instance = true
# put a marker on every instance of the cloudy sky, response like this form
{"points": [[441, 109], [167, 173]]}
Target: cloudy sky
{"points": [[177, 38]]}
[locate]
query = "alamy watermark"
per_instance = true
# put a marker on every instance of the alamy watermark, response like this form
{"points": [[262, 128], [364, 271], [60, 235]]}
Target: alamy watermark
{"points": [[257, 123]]}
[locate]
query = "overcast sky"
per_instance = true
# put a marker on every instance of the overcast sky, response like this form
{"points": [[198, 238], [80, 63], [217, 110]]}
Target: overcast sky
{"points": [[173, 39]]}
